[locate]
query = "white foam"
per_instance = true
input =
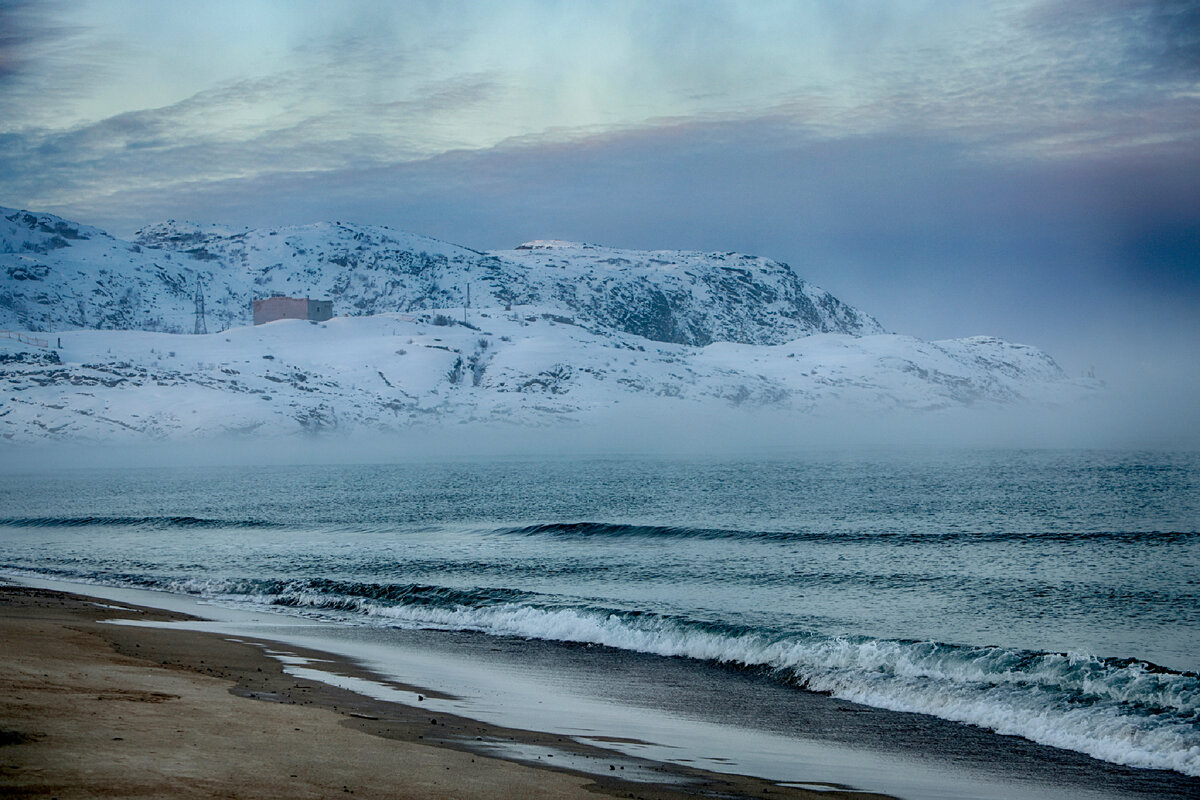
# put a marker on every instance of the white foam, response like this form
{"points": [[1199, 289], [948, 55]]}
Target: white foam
{"points": [[1048, 704]]}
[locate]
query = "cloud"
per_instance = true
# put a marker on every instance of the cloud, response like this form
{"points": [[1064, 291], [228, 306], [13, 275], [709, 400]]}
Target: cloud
{"points": [[26, 27], [376, 88], [1155, 41], [450, 94], [45, 61], [237, 130]]}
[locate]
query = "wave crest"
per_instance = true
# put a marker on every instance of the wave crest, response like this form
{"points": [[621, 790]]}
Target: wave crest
{"points": [[614, 530], [136, 522]]}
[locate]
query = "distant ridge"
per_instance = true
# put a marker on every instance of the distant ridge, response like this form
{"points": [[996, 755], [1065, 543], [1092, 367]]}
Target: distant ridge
{"points": [[58, 274]]}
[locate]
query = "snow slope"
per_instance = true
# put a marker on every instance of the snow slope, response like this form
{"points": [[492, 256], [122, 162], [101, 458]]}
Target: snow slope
{"points": [[392, 371], [86, 279], [557, 331]]}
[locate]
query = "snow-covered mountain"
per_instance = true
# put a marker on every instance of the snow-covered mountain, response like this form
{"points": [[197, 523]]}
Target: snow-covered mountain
{"points": [[555, 331], [57, 275]]}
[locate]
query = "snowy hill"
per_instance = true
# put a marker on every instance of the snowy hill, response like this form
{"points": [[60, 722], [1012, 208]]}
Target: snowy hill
{"points": [[393, 371], [55, 275], [683, 297], [557, 331]]}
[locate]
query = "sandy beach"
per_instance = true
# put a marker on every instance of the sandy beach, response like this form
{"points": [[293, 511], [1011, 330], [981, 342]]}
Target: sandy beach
{"points": [[89, 709]]}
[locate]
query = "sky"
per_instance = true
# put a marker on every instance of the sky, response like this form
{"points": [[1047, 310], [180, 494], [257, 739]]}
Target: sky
{"points": [[1021, 168]]}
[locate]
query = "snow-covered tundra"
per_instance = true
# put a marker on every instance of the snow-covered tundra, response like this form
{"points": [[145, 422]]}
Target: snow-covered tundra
{"points": [[553, 331]]}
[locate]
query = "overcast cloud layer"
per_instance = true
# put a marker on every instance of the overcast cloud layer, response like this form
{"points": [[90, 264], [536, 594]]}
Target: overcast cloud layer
{"points": [[1027, 169]]}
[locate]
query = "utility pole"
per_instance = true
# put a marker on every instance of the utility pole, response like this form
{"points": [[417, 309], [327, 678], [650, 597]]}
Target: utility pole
{"points": [[201, 323], [467, 305]]}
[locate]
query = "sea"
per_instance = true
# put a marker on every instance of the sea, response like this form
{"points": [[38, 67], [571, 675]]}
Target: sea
{"points": [[1048, 595]]}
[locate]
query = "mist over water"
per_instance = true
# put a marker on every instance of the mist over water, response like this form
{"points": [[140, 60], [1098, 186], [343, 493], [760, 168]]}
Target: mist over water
{"points": [[1126, 415]]}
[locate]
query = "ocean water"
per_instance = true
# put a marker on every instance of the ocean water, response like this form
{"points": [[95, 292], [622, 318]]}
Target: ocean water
{"points": [[1052, 595]]}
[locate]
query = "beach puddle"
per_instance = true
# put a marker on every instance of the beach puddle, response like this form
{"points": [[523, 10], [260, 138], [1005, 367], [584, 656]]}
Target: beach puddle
{"points": [[606, 764]]}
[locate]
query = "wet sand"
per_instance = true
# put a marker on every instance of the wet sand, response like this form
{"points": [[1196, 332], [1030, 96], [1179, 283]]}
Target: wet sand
{"points": [[95, 710]]}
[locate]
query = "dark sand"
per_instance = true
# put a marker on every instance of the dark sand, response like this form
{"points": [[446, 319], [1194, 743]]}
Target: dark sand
{"points": [[95, 710]]}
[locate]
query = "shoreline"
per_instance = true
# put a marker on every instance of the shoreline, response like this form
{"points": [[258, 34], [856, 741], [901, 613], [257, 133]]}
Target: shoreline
{"points": [[90, 709]]}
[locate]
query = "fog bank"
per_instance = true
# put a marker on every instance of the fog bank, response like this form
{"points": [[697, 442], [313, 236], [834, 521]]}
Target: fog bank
{"points": [[1163, 420]]}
